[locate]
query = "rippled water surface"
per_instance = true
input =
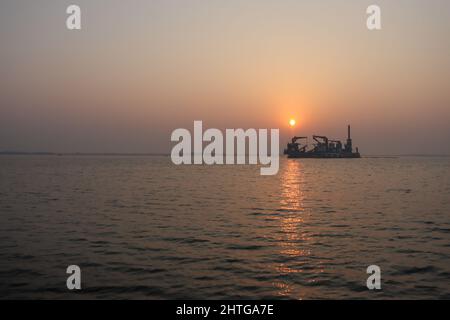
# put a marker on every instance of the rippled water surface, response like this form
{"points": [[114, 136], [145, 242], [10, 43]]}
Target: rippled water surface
{"points": [[140, 227]]}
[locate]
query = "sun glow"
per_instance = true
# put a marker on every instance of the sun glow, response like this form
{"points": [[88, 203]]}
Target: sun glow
{"points": [[292, 122]]}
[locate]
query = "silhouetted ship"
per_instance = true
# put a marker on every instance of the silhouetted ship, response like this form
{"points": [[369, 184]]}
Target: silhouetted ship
{"points": [[323, 148]]}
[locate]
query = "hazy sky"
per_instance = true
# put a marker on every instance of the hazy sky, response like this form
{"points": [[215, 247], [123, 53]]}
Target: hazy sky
{"points": [[139, 69]]}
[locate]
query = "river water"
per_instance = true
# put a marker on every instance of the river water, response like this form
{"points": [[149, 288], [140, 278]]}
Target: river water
{"points": [[140, 227]]}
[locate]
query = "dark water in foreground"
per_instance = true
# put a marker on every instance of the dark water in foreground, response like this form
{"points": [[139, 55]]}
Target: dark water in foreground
{"points": [[140, 227]]}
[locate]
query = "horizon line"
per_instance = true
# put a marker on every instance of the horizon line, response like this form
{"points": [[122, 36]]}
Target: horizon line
{"points": [[51, 153]]}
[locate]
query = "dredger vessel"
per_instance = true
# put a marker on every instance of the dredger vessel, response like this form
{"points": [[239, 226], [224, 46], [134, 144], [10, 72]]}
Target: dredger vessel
{"points": [[323, 148]]}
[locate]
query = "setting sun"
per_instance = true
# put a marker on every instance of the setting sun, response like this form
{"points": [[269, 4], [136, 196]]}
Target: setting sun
{"points": [[292, 122]]}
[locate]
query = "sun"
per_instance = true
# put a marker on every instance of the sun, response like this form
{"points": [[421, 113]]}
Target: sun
{"points": [[292, 122]]}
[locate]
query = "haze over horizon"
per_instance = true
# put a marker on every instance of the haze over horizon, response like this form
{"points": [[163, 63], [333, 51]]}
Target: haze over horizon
{"points": [[139, 69]]}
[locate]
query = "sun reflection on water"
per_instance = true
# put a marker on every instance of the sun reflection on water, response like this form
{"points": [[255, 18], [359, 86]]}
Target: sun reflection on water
{"points": [[292, 208], [292, 237]]}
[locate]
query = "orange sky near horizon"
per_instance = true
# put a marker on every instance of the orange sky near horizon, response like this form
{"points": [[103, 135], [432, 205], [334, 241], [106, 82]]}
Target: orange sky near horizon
{"points": [[136, 72]]}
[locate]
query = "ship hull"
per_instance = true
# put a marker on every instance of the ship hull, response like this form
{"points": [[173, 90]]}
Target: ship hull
{"points": [[314, 155]]}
